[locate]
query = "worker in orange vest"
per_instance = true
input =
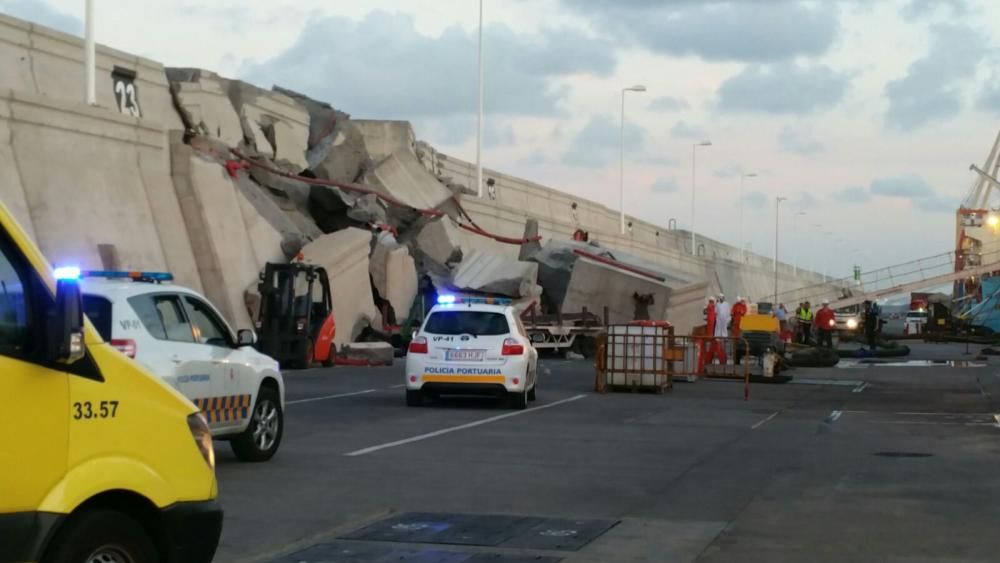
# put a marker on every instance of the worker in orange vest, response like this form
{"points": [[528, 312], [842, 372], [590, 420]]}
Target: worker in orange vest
{"points": [[738, 312]]}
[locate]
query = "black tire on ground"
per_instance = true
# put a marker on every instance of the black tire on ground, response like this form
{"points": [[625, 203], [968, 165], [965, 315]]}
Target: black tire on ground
{"points": [[414, 398], [531, 393], [260, 441], [99, 535], [518, 401], [331, 359]]}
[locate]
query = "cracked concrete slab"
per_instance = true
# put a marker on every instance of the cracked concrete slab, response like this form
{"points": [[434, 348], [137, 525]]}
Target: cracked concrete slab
{"points": [[486, 272], [344, 254]]}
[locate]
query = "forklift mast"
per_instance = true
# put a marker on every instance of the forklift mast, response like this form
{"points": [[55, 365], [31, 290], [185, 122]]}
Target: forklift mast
{"points": [[295, 304]]}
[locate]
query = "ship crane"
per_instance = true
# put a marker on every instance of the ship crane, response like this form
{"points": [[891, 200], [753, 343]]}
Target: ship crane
{"points": [[977, 223]]}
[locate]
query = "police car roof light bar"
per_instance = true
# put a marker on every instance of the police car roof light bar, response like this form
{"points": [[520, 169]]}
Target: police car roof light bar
{"points": [[137, 276], [452, 299]]}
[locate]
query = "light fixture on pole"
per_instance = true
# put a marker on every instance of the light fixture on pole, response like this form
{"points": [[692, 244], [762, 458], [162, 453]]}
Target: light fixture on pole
{"points": [[89, 56], [479, 111], [694, 150], [743, 178], [777, 216], [621, 160]]}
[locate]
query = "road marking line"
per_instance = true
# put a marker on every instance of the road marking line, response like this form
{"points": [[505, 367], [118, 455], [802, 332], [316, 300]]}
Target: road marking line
{"points": [[834, 415], [314, 399], [451, 429], [765, 421], [860, 388], [397, 386]]}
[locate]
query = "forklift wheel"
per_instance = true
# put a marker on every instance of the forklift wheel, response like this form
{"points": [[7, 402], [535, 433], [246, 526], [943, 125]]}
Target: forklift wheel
{"points": [[331, 358]]}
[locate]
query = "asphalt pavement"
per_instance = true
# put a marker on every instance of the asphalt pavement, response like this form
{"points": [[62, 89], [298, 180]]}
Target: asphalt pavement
{"points": [[854, 463]]}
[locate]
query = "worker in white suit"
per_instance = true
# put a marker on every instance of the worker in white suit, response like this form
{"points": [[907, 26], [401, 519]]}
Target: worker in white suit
{"points": [[723, 314]]}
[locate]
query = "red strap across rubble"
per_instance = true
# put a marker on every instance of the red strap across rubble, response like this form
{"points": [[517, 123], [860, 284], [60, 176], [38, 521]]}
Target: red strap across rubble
{"points": [[473, 228]]}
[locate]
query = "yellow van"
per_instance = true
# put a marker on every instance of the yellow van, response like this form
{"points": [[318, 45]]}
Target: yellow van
{"points": [[99, 461]]}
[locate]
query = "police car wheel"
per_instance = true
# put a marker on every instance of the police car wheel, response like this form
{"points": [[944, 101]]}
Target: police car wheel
{"points": [[518, 401], [259, 442], [414, 398], [102, 536]]}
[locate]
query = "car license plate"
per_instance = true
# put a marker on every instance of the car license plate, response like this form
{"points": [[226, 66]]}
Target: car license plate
{"points": [[464, 355]]}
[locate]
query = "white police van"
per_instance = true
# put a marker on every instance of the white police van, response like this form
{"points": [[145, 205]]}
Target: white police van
{"points": [[471, 345], [178, 335]]}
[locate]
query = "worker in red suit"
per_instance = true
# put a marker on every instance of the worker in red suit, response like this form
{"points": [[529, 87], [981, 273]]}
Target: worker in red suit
{"points": [[711, 348], [738, 312], [825, 323]]}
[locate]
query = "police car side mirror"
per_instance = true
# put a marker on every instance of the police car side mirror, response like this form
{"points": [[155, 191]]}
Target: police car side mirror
{"points": [[64, 333], [245, 337]]}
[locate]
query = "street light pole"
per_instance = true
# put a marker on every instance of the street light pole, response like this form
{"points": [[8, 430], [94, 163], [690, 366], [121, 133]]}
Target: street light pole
{"points": [[479, 111], [777, 216], [743, 178], [694, 167], [621, 158], [795, 232]]}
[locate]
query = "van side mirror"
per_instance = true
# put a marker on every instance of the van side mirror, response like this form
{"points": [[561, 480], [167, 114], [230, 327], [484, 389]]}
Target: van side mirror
{"points": [[64, 333], [245, 337]]}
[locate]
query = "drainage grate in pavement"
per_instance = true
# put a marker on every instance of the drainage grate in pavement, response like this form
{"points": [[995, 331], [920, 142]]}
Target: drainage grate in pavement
{"points": [[523, 532], [353, 552], [903, 454]]}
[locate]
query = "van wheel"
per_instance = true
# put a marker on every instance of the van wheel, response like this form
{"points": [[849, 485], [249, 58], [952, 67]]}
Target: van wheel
{"points": [[531, 393], [518, 401], [103, 536], [260, 440], [414, 398]]}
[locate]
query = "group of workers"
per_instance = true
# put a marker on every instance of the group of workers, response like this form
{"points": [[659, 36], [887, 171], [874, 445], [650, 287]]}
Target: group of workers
{"points": [[721, 321], [823, 321]]}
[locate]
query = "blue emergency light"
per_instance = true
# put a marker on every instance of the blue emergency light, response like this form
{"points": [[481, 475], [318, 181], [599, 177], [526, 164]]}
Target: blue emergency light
{"points": [[452, 300], [66, 273], [138, 276]]}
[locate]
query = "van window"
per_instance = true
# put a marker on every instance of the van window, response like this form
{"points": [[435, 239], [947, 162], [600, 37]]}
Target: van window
{"points": [[13, 310], [467, 322], [98, 310]]}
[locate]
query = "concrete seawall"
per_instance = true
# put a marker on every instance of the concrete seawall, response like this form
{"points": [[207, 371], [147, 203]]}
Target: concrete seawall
{"points": [[125, 174]]}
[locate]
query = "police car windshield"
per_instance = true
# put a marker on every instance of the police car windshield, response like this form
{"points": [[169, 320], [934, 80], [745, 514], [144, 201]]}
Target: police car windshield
{"points": [[467, 322]]}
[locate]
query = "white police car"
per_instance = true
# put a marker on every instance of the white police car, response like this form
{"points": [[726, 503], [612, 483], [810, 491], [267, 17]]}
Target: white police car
{"points": [[470, 345], [178, 335]]}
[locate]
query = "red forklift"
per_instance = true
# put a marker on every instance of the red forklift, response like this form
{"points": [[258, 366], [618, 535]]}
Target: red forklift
{"points": [[295, 324]]}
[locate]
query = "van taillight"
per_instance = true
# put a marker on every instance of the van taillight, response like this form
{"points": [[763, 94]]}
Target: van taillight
{"points": [[511, 347], [418, 345], [124, 345]]}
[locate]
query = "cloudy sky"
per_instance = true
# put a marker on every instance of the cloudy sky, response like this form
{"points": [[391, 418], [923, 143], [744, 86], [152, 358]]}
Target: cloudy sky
{"points": [[864, 114]]}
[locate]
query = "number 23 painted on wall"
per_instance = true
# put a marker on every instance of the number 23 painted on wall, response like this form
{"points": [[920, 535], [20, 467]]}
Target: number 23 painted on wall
{"points": [[126, 95]]}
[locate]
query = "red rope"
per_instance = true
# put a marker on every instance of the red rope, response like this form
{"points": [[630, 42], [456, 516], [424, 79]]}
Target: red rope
{"points": [[388, 199]]}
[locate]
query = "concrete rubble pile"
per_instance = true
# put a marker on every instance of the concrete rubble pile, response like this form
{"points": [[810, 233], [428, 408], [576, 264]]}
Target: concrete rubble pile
{"points": [[368, 202], [365, 218]]}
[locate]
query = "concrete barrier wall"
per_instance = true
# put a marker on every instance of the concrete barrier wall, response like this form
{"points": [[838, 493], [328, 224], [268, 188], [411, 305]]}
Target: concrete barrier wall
{"points": [[39, 60], [57, 151], [515, 200]]}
